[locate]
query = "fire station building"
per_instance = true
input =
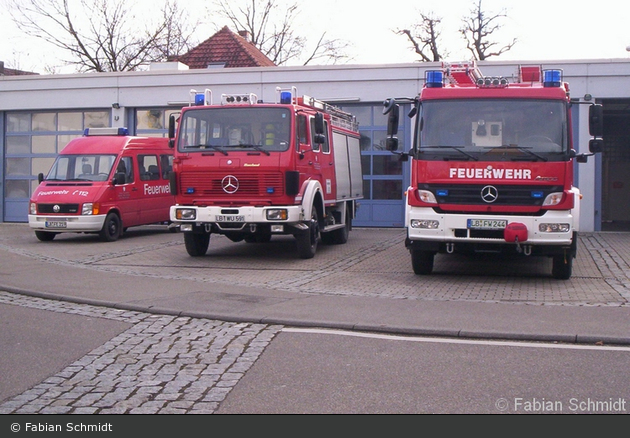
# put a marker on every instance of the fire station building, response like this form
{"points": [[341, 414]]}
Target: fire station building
{"points": [[40, 114]]}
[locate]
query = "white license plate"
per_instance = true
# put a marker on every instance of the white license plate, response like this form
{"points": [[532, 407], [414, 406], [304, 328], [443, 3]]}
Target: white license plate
{"points": [[56, 224], [486, 224], [226, 218]]}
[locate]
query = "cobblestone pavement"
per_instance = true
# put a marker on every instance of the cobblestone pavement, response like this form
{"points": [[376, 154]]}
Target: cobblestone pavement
{"points": [[166, 364], [162, 365]]}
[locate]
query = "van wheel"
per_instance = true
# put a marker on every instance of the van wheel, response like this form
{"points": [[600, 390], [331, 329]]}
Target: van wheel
{"points": [[196, 243], [562, 267], [111, 230], [422, 262], [45, 236], [307, 242]]}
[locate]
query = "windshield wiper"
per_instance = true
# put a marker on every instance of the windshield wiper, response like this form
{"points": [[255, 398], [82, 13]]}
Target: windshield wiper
{"points": [[206, 146], [257, 147], [457, 148], [522, 149]]}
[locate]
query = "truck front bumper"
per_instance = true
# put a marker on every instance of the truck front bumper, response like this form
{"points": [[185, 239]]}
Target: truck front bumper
{"points": [[431, 231], [67, 224]]}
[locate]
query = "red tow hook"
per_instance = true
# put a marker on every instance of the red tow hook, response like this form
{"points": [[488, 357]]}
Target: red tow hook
{"points": [[515, 232]]}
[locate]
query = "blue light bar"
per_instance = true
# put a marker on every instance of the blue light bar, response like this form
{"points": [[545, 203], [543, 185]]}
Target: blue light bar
{"points": [[286, 97], [552, 78], [200, 99], [442, 192], [434, 79], [105, 131]]}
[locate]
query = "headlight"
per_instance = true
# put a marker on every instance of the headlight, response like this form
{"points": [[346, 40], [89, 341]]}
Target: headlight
{"points": [[186, 214], [554, 228], [427, 196], [87, 209], [33, 208], [553, 198], [279, 214]]}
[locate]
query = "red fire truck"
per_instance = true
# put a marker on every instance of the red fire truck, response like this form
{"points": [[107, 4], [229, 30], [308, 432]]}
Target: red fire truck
{"points": [[492, 166], [248, 170], [103, 182]]}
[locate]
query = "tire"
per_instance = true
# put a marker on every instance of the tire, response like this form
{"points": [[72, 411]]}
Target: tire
{"points": [[422, 262], [307, 242], [196, 243], [340, 236], [562, 267], [112, 229], [45, 236]]}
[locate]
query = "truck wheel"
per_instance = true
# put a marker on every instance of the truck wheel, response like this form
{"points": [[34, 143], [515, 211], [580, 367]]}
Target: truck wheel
{"points": [[562, 267], [307, 242], [111, 230], [196, 243], [45, 236], [422, 262], [340, 236]]}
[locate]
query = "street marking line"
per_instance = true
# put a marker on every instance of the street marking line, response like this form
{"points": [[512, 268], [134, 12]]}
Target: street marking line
{"points": [[439, 340]]}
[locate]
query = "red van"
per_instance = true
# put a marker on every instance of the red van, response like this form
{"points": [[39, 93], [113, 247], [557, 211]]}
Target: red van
{"points": [[103, 182]]}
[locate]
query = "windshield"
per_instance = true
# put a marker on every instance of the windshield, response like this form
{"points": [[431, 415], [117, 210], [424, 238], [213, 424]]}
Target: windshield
{"points": [[81, 168], [224, 130], [475, 129]]}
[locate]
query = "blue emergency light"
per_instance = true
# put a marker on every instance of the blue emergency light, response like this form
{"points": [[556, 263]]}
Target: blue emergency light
{"points": [[434, 79], [285, 97], [552, 78], [441, 192], [190, 190], [537, 195], [200, 99]]}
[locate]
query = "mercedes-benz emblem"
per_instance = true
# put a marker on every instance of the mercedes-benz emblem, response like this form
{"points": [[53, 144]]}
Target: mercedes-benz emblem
{"points": [[489, 194], [229, 184], [56, 208]]}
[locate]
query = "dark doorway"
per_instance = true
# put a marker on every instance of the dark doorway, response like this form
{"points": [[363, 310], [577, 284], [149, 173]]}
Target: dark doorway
{"points": [[616, 166]]}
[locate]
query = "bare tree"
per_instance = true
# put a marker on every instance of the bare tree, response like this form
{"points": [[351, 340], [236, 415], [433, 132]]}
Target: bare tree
{"points": [[271, 28], [477, 30], [424, 37], [102, 35]]}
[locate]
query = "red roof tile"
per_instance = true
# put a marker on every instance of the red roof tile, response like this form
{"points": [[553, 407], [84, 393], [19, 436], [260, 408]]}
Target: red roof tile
{"points": [[225, 48]]}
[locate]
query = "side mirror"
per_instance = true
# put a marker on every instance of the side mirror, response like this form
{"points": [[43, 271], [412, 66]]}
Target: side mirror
{"points": [[392, 121], [119, 178], [40, 177], [391, 144], [319, 123], [319, 138], [172, 123], [596, 120], [596, 145]]}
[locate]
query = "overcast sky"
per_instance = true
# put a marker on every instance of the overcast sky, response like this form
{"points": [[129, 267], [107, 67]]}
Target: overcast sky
{"points": [[546, 30]]}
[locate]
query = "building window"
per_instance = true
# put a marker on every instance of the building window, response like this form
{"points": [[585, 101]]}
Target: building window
{"points": [[32, 141]]}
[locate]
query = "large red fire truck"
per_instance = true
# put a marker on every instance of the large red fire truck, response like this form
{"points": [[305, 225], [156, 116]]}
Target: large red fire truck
{"points": [[248, 170], [492, 165]]}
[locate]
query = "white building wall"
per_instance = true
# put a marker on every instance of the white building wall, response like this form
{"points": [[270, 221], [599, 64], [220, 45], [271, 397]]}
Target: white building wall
{"points": [[349, 83]]}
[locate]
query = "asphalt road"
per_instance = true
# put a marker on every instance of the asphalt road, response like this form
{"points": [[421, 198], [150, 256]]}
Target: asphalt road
{"points": [[138, 326]]}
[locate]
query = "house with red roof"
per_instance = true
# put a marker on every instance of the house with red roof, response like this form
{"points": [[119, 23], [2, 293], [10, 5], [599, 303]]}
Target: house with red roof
{"points": [[225, 49]]}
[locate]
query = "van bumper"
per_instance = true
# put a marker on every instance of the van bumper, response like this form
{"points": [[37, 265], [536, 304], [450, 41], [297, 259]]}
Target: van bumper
{"points": [[67, 224]]}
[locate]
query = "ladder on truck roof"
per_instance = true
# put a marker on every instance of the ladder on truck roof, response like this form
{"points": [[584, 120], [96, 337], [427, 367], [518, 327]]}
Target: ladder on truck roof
{"points": [[338, 117], [462, 73]]}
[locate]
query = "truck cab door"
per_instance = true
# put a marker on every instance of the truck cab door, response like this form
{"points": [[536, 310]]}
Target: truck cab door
{"points": [[325, 157], [126, 191], [308, 157]]}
